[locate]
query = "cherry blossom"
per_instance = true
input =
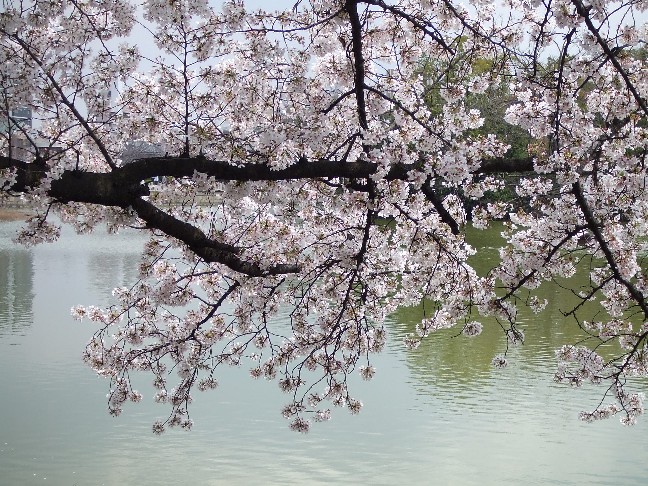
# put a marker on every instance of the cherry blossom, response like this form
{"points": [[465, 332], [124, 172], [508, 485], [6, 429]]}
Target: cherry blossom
{"points": [[314, 170]]}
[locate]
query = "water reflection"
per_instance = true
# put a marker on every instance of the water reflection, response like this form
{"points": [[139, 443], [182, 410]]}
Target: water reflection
{"points": [[16, 291], [112, 269], [447, 356], [438, 415], [457, 369]]}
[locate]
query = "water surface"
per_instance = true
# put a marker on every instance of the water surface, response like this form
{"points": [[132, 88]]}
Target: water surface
{"points": [[439, 415]]}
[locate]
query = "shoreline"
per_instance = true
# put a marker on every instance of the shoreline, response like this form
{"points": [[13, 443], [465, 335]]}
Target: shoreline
{"points": [[14, 214]]}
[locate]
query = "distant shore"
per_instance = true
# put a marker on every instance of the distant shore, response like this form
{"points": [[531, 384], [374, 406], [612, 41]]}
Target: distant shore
{"points": [[14, 214]]}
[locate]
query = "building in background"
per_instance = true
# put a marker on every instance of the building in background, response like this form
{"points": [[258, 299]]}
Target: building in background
{"points": [[20, 140], [102, 108], [140, 149], [16, 118]]}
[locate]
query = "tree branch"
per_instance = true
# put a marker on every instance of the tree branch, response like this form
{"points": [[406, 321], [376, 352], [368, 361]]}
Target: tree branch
{"points": [[584, 12], [358, 61], [124, 187], [118, 187], [208, 249], [66, 101], [594, 227], [436, 201]]}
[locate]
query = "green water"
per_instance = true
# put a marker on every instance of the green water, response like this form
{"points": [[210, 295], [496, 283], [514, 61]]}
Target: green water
{"points": [[438, 415]]}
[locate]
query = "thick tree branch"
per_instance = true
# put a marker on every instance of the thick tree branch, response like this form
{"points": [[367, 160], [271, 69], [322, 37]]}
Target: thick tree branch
{"points": [[142, 169], [506, 165], [203, 246], [28, 175], [118, 187], [124, 188]]}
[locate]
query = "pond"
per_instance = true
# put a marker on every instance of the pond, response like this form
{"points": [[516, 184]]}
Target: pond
{"points": [[437, 415]]}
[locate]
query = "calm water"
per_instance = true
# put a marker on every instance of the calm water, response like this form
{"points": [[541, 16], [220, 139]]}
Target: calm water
{"points": [[440, 415]]}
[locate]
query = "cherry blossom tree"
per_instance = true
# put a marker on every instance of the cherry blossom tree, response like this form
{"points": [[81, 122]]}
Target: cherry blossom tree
{"points": [[306, 173]]}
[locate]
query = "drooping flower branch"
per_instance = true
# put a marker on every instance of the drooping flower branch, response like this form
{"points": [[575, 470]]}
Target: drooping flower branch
{"points": [[303, 173]]}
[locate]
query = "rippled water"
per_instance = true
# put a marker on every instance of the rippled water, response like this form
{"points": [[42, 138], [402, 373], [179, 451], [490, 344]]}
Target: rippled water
{"points": [[440, 415]]}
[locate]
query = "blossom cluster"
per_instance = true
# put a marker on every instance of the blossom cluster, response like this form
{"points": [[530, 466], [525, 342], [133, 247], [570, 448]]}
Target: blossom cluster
{"points": [[321, 164]]}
